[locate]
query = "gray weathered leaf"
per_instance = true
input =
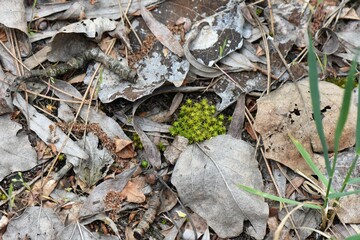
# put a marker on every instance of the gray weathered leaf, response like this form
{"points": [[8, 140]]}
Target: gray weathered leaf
{"points": [[152, 152], [96, 167], [206, 177], [107, 124], [47, 131], [79, 231], [12, 15], [35, 223], [162, 33], [16, 152], [94, 203]]}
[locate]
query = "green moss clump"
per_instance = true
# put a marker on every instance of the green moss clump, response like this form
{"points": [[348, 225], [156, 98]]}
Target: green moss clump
{"points": [[197, 122], [137, 142], [339, 81]]}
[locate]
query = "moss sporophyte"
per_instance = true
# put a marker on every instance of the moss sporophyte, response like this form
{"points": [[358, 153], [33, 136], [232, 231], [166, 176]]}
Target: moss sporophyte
{"points": [[197, 122]]}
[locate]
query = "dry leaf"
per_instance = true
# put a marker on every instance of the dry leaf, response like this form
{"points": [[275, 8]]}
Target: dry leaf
{"points": [[283, 112], [162, 33], [132, 191], [206, 177], [124, 148]]}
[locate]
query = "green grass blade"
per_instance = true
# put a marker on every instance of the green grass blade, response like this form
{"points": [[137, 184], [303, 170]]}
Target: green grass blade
{"points": [[357, 145], [343, 194], [354, 180], [276, 198], [310, 162], [345, 106], [354, 237], [344, 112], [315, 101], [349, 172]]}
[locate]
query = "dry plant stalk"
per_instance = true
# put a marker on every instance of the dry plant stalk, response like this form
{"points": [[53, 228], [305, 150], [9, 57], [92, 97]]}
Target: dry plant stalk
{"points": [[149, 215]]}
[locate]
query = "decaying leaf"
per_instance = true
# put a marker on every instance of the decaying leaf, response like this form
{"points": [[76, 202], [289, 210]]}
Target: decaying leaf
{"points": [[290, 22], [79, 231], [95, 201], [107, 124], [152, 152], [162, 33], [153, 71], [303, 218], [47, 131], [223, 34], [284, 112], [132, 191], [35, 223], [96, 167], [199, 224], [16, 152], [206, 178], [168, 200], [173, 152]]}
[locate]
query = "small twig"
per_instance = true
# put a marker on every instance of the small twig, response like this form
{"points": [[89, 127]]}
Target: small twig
{"points": [[55, 99], [272, 28], [17, 60]]}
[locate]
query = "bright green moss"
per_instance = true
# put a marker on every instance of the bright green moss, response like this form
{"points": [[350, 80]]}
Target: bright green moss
{"points": [[197, 122]]}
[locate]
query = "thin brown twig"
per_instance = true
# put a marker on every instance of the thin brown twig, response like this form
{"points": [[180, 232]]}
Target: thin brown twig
{"points": [[62, 91], [17, 60], [272, 28], [55, 99]]}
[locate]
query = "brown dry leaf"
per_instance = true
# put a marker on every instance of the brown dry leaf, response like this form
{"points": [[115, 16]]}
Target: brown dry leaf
{"points": [[250, 130], [283, 112], [162, 33], [295, 183], [168, 200], [3, 36], [124, 148], [129, 234], [132, 191]]}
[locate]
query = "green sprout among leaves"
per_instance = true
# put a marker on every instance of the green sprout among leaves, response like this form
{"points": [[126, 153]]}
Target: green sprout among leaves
{"points": [[222, 48], [22, 181], [197, 122]]}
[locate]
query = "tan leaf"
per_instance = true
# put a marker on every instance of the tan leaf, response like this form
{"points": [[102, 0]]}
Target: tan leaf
{"points": [[124, 148], [284, 112], [132, 191]]}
